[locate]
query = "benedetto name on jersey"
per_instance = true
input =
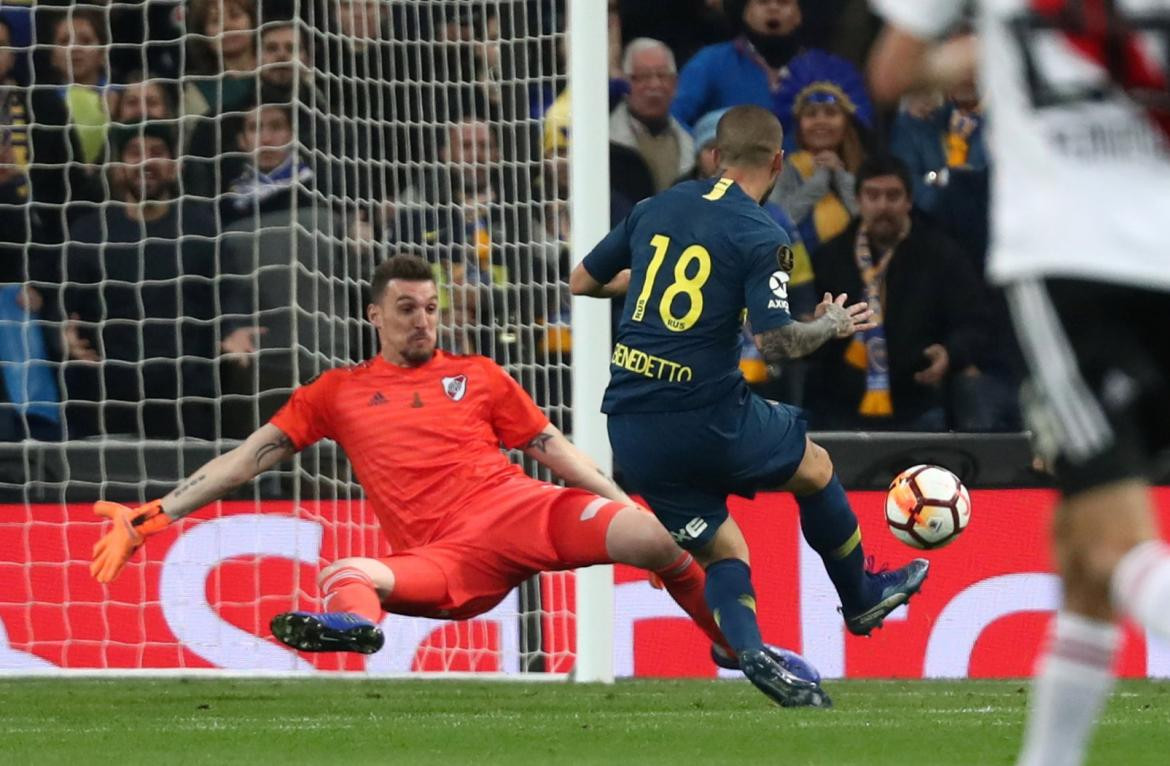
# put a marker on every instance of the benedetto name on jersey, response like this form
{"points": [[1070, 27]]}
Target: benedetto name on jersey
{"points": [[641, 363]]}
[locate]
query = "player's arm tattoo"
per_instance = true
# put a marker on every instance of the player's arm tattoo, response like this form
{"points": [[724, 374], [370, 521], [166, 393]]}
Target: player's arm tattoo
{"points": [[279, 448], [798, 339], [190, 484], [177, 510], [539, 442]]}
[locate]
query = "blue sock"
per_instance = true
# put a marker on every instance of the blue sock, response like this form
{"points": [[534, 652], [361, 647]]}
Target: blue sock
{"points": [[733, 602], [830, 528]]}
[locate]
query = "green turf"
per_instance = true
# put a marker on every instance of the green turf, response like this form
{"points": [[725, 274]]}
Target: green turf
{"points": [[452, 722]]}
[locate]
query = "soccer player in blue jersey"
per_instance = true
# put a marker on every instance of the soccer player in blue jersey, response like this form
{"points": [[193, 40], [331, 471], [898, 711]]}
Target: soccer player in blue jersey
{"points": [[686, 429]]}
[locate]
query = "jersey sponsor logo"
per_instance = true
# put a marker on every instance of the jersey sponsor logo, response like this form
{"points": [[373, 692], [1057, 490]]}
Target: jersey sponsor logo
{"points": [[641, 363], [778, 284], [690, 531], [455, 387], [377, 399]]}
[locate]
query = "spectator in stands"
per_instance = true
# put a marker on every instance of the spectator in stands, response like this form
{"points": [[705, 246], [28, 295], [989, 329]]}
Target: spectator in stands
{"points": [[630, 179], [483, 59], [746, 70], [642, 121], [285, 64], [285, 57], [926, 300], [690, 24], [820, 105], [360, 21], [78, 60], [379, 80], [138, 98], [275, 171], [221, 56], [146, 36], [944, 150], [29, 401], [470, 203], [36, 152], [138, 303], [14, 150], [945, 142]]}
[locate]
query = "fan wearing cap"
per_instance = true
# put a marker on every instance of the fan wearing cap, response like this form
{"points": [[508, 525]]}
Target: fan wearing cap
{"points": [[822, 106]]}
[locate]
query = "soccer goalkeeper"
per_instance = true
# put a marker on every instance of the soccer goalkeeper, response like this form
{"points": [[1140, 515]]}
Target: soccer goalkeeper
{"points": [[422, 429]]}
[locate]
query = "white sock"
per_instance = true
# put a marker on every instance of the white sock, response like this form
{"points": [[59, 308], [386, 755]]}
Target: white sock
{"points": [[1141, 586], [1073, 680]]}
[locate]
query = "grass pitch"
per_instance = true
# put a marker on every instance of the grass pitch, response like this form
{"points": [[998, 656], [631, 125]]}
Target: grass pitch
{"points": [[167, 721]]}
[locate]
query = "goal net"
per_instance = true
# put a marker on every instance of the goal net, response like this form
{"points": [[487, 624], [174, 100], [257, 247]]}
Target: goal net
{"points": [[192, 198]]}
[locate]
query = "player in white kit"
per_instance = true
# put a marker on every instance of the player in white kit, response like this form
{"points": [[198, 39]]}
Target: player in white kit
{"points": [[1078, 96]]}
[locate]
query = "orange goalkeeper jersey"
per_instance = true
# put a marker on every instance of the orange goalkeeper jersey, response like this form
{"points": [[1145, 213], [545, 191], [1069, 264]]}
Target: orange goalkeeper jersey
{"points": [[422, 440]]}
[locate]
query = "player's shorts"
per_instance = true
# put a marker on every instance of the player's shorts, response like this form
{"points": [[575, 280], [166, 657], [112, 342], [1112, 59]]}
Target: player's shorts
{"points": [[512, 531], [1098, 397], [685, 464]]}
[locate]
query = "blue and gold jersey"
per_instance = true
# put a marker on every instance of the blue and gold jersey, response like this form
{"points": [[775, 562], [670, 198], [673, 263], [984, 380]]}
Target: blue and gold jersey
{"points": [[699, 254]]}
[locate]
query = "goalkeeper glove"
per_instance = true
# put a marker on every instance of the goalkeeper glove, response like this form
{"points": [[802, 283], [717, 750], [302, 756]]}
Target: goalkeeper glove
{"points": [[131, 528]]}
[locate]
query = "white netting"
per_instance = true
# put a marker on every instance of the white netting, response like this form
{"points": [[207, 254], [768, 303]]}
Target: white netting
{"points": [[192, 197]]}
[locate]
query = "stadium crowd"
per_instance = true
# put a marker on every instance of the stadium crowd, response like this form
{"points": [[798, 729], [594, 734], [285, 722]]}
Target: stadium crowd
{"points": [[192, 196]]}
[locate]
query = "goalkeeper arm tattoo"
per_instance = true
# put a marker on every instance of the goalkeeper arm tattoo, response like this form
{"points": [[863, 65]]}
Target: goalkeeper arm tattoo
{"points": [[539, 442], [189, 484], [273, 452], [227, 472]]}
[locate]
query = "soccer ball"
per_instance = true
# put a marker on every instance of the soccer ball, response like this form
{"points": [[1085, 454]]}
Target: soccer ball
{"points": [[927, 506]]}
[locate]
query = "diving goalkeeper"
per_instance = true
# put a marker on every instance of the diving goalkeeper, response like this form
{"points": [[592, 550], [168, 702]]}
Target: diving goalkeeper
{"points": [[422, 429]]}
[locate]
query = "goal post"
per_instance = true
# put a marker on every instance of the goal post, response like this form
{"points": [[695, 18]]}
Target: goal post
{"points": [[589, 206]]}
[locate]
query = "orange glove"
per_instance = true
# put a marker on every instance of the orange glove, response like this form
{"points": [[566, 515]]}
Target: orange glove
{"points": [[131, 528]]}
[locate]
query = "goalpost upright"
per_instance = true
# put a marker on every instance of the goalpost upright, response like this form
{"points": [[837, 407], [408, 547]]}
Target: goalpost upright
{"points": [[589, 212]]}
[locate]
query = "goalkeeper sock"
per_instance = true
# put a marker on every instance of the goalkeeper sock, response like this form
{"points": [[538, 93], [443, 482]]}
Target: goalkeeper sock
{"points": [[1141, 586], [830, 528], [351, 590], [685, 582], [1073, 680], [733, 603]]}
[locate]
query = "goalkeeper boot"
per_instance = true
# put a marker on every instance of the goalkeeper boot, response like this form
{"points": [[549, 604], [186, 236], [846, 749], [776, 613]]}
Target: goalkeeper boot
{"points": [[327, 632], [793, 662], [895, 587], [783, 686]]}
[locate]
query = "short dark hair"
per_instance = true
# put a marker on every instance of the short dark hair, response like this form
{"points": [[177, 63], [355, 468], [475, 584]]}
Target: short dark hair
{"points": [[748, 136], [302, 30], [878, 165], [121, 134], [409, 268]]}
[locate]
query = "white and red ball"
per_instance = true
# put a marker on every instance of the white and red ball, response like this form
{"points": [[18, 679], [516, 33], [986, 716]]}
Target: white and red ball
{"points": [[927, 506]]}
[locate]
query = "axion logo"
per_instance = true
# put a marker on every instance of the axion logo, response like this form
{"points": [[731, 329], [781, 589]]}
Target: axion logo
{"points": [[778, 284]]}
